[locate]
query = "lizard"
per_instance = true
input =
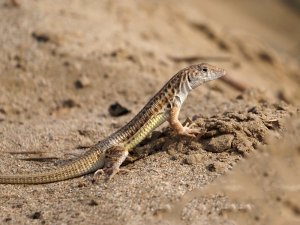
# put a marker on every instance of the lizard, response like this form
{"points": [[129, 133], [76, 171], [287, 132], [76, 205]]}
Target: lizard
{"points": [[107, 155]]}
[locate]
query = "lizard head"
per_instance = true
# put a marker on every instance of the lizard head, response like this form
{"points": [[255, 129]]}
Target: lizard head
{"points": [[203, 73]]}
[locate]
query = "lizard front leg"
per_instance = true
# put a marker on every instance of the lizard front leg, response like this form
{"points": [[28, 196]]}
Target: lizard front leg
{"points": [[177, 126]]}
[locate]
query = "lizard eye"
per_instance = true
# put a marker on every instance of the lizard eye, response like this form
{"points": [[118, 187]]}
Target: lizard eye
{"points": [[204, 70]]}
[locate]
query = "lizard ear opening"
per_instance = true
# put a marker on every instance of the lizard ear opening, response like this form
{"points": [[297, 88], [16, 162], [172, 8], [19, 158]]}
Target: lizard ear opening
{"points": [[169, 105]]}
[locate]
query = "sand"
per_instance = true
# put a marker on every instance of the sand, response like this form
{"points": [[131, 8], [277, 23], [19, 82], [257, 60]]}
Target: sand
{"points": [[64, 63]]}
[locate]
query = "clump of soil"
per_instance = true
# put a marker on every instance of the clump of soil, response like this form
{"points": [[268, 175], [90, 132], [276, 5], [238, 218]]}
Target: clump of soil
{"points": [[240, 129]]}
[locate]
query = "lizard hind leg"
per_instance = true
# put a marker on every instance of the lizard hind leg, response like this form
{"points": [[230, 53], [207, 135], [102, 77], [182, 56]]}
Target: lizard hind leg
{"points": [[114, 157]]}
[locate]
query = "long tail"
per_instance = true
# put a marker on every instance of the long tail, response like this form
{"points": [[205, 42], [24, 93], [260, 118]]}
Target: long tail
{"points": [[89, 162]]}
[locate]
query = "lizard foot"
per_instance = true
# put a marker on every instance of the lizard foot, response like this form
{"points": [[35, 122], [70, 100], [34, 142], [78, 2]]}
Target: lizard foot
{"points": [[188, 129], [114, 157]]}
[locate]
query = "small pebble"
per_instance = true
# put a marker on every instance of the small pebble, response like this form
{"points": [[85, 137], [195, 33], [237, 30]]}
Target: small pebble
{"points": [[35, 215], [69, 103], [117, 110], [211, 167], [93, 203], [82, 82], [194, 159]]}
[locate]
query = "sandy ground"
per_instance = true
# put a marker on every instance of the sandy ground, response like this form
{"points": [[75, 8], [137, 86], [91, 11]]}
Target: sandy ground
{"points": [[63, 63]]}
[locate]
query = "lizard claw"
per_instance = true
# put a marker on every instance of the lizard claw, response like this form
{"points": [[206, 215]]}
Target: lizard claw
{"points": [[189, 129], [97, 175], [109, 173]]}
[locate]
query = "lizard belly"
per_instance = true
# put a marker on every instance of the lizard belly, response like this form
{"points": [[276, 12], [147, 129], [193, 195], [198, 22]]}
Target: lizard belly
{"points": [[146, 129]]}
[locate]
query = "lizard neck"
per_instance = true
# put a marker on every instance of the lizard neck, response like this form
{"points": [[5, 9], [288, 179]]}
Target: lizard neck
{"points": [[182, 91]]}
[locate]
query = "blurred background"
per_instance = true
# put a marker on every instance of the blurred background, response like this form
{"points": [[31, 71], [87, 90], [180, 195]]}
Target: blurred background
{"points": [[49, 48], [63, 63], [276, 22]]}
